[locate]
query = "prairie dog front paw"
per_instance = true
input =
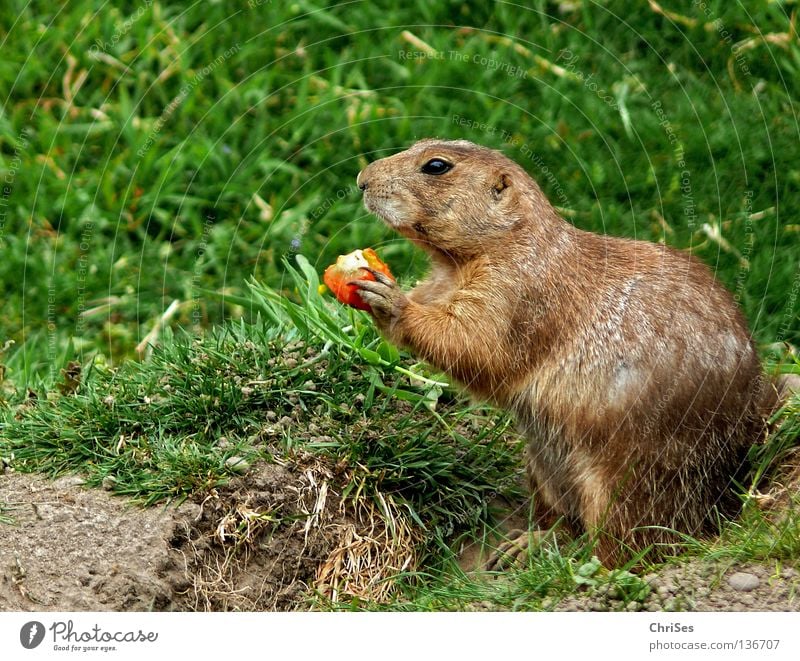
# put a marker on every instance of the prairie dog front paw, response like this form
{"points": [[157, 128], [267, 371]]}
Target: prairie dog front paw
{"points": [[386, 300]]}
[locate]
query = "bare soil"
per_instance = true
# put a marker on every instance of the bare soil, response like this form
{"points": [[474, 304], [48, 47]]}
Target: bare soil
{"points": [[248, 546], [260, 543]]}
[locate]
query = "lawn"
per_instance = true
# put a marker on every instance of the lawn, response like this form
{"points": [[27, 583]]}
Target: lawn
{"points": [[163, 166]]}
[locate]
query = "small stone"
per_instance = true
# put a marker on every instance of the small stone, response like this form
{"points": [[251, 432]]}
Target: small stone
{"points": [[633, 606], [109, 482], [237, 464], [272, 416], [743, 582], [69, 481]]}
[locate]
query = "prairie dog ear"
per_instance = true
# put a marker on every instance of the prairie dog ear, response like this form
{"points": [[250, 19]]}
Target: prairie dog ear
{"points": [[501, 183]]}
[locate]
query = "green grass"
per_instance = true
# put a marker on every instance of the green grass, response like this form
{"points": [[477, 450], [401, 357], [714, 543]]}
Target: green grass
{"points": [[5, 514], [175, 426], [156, 151], [153, 153]]}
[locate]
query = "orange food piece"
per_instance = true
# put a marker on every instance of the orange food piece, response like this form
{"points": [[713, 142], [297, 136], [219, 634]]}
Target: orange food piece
{"points": [[340, 275]]}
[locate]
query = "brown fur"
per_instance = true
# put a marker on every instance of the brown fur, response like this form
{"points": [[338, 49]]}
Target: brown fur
{"points": [[630, 369]]}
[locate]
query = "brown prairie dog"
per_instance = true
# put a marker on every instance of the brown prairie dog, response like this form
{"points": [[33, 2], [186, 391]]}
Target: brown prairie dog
{"points": [[629, 368]]}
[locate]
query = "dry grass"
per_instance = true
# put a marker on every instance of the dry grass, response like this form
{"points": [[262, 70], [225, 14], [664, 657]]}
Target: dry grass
{"points": [[376, 544], [248, 555]]}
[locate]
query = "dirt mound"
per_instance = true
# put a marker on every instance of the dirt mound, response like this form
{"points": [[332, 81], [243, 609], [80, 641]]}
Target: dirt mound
{"points": [[256, 544], [69, 548]]}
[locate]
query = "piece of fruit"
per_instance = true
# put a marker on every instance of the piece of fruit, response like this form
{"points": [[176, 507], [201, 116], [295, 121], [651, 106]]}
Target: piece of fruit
{"points": [[339, 276]]}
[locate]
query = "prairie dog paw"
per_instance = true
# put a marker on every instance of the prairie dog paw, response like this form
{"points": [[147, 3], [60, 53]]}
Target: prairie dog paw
{"points": [[514, 551], [384, 297]]}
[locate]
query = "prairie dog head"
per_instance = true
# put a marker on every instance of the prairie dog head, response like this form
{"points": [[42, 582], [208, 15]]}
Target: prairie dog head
{"points": [[451, 197]]}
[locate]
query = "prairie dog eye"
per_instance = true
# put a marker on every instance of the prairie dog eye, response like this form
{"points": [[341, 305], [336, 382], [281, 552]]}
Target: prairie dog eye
{"points": [[437, 166]]}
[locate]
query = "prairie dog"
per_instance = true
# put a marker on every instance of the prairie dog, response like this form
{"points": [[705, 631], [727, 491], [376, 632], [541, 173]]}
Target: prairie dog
{"points": [[630, 370]]}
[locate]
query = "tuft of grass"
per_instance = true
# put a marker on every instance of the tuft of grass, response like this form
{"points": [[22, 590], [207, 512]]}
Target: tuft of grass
{"points": [[759, 535], [174, 426], [549, 575], [769, 526], [6, 517]]}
